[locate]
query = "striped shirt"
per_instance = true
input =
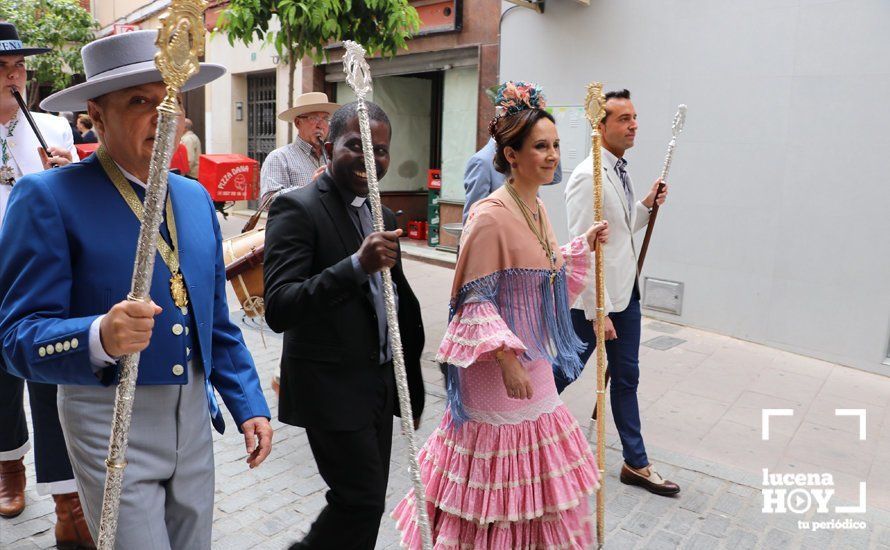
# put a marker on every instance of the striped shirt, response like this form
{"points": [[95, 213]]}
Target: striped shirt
{"points": [[290, 166]]}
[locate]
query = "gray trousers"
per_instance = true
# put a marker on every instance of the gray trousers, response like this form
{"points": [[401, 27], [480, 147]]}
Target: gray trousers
{"points": [[167, 496]]}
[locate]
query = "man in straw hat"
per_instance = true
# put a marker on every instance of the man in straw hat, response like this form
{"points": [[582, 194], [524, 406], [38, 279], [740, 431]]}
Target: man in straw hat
{"points": [[295, 164], [69, 242], [21, 154]]}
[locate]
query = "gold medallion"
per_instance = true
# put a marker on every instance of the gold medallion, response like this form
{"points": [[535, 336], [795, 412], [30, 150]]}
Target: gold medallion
{"points": [[177, 290]]}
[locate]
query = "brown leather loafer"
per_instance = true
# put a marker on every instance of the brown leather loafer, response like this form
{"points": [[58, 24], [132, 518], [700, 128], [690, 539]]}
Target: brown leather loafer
{"points": [[71, 527], [12, 487], [648, 479]]}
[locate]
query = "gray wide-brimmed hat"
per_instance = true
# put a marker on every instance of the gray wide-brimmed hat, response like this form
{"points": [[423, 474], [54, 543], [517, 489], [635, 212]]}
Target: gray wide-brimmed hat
{"points": [[119, 62]]}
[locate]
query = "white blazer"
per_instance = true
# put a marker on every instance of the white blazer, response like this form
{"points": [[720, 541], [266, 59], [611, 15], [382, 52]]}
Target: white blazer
{"points": [[23, 147], [619, 254]]}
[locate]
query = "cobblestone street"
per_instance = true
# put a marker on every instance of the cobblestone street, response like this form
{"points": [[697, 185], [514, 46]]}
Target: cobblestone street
{"points": [[719, 507]]}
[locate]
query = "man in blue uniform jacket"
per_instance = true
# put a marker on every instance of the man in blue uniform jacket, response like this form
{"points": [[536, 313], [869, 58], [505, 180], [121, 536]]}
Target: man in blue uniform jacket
{"points": [[69, 244]]}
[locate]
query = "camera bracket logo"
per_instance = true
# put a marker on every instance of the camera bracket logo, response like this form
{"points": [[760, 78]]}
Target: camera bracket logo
{"points": [[798, 493]]}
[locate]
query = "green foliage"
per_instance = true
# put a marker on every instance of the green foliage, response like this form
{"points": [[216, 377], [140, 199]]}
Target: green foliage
{"points": [[58, 24], [299, 28], [307, 26]]}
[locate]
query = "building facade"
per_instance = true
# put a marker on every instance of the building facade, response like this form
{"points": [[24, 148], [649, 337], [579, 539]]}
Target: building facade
{"points": [[434, 92], [775, 230], [234, 114], [435, 95]]}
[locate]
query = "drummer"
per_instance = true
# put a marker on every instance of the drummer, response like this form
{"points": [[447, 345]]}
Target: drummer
{"points": [[69, 243]]}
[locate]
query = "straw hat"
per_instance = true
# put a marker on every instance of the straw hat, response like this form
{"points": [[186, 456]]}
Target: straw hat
{"points": [[309, 103]]}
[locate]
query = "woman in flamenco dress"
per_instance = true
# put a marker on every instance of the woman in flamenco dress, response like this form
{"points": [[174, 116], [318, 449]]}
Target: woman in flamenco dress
{"points": [[509, 466]]}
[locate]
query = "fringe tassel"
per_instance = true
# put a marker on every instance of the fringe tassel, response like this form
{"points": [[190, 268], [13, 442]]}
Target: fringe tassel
{"points": [[455, 401], [567, 361], [536, 311]]}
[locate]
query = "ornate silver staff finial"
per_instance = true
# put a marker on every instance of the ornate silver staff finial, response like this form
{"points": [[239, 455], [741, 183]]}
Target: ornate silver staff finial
{"points": [[676, 128], [358, 73], [679, 120], [358, 76]]}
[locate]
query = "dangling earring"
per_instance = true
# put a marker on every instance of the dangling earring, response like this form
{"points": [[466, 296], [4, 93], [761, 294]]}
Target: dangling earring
{"points": [[513, 165]]}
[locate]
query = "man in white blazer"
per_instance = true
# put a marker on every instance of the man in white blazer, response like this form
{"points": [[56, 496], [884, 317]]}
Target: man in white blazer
{"points": [[20, 155], [626, 216]]}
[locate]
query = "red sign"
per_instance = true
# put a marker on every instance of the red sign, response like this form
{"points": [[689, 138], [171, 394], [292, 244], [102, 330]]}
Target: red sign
{"points": [[120, 28], [438, 15], [433, 179], [229, 177]]}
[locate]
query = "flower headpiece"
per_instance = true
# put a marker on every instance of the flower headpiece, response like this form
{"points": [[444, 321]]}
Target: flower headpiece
{"points": [[514, 97]]}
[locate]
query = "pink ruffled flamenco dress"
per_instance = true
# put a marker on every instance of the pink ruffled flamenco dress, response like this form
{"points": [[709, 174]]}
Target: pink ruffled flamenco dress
{"points": [[500, 472]]}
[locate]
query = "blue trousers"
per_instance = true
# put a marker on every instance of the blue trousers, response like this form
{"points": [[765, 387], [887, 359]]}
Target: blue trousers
{"points": [[623, 355], [50, 456]]}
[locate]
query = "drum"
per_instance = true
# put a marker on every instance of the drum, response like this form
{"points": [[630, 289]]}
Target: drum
{"points": [[243, 256]]}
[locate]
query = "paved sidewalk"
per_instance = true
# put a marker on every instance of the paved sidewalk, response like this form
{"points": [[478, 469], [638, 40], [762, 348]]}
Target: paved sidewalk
{"points": [[701, 396]]}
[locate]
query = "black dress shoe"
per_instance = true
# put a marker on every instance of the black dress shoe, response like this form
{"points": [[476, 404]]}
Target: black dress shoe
{"points": [[648, 479]]}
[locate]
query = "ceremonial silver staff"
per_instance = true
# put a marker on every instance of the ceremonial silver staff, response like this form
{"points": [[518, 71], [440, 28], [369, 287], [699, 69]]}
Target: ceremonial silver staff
{"points": [[676, 128], [595, 109], [180, 43], [358, 76]]}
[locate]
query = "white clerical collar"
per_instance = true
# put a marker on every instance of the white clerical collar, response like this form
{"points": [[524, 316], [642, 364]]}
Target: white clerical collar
{"points": [[131, 177], [358, 202]]}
